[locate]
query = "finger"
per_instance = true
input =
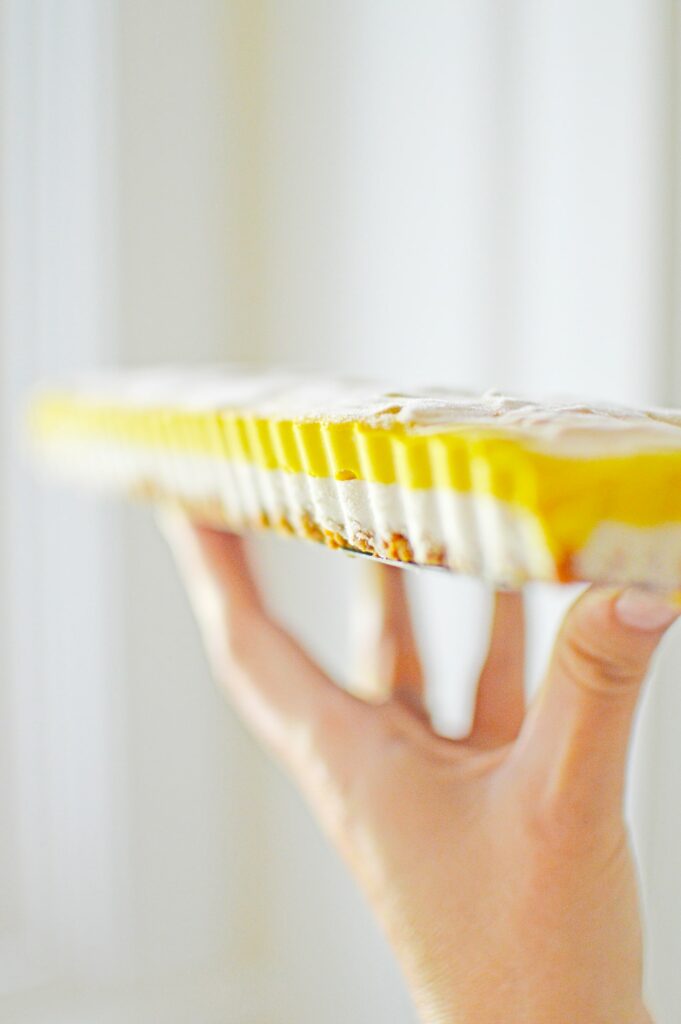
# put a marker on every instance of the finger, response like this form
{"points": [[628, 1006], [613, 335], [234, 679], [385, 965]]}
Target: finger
{"points": [[230, 575], [576, 737], [282, 694], [500, 702], [387, 659]]}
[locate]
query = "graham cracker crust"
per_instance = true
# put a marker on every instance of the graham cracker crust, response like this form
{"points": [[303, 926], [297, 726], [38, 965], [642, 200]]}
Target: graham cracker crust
{"points": [[211, 511]]}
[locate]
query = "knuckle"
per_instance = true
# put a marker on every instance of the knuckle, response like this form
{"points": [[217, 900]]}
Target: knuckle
{"points": [[556, 843], [551, 828], [401, 728], [561, 826], [594, 666]]}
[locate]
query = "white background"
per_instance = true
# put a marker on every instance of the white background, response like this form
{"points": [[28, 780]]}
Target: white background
{"points": [[478, 193]]}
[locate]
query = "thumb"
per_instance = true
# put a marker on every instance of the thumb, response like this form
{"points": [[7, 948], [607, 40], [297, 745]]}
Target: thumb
{"points": [[577, 734]]}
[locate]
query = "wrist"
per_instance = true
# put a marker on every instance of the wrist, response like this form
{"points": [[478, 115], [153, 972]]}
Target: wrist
{"points": [[434, 1010], [444, 1016]]}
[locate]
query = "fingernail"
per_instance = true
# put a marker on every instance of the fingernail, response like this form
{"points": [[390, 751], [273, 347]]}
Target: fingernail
{"points": [[645, 609]]}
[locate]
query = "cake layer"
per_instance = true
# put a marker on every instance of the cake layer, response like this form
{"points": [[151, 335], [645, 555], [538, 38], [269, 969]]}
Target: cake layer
{"points": [[492, 485]]}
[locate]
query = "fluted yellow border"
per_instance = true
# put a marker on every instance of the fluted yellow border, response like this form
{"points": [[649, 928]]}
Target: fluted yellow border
{"points": [[569, 496]]}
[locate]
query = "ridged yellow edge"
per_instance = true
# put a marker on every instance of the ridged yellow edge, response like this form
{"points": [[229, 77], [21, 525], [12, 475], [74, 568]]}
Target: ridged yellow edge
{"points": [[568, 496]]}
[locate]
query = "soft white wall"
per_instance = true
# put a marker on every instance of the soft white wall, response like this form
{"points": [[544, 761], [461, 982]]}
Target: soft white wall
{"points": [[60, 768]]}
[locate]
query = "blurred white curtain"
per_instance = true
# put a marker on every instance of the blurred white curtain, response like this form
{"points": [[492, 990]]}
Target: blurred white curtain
{"points": [[479, 193]]}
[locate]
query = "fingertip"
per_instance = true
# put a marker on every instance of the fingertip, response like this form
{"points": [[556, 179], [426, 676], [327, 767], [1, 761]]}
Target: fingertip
{"points": [[203, 552], [216, 542], [633, 616], [609, 636], [646, 610], [180, 530]]}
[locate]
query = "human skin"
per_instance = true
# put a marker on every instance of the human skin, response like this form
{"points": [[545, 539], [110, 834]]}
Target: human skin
{"points": [[499, 866]]}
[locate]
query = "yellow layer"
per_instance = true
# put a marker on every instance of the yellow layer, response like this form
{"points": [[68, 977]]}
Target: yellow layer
{"points": [[569, 496]]}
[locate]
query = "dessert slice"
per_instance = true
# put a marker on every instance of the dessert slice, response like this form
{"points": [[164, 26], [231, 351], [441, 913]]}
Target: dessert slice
{"points": [[500, 487]]}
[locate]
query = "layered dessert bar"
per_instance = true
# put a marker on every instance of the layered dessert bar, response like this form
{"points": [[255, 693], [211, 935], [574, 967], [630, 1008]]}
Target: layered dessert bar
{"points": [[497, 486]]}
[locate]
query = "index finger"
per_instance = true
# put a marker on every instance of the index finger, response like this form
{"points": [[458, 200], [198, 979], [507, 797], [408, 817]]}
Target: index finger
{"points": [[287, 699]]}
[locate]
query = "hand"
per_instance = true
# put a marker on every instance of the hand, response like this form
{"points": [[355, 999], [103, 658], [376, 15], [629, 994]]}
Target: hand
{"points": [[499, 866]]}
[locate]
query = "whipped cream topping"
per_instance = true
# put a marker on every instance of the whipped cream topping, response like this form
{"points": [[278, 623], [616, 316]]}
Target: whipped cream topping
{"points": [[564, 424]]}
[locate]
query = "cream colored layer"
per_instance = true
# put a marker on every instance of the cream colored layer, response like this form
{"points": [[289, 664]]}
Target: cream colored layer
{"points": [[472, 533], [618, 553]]}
